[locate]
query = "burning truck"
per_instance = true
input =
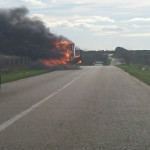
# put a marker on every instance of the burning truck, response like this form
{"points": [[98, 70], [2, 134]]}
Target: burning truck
{"points": [[67, 50], [25, 36]]}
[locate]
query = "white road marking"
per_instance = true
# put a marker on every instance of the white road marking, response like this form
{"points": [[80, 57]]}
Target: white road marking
{"points": [[27, 111]]}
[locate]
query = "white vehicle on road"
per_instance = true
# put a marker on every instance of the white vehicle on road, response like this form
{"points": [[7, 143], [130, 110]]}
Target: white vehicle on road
{"points": [[98, 63]]}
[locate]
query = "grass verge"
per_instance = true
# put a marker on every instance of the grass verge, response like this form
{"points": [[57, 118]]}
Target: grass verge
{"points": [[9, 76], [137, 71], [108, 62]]}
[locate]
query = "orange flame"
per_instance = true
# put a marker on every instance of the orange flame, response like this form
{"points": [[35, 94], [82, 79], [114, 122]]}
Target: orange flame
{"points": [[66, 48], [79, 62]]}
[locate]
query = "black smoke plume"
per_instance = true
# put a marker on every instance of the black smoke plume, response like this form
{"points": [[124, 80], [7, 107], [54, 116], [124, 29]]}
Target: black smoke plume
{"points": [[24, 36]]}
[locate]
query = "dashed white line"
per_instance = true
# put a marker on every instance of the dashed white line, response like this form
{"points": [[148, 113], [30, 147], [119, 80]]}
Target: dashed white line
{"points": [[27, 111]]}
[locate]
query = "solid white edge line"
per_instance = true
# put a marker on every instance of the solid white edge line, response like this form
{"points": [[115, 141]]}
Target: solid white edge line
{"points": [[27, 111]]}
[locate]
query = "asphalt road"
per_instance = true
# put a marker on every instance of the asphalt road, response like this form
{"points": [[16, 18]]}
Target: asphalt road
{"points": [[115, 61], [94, 108]]}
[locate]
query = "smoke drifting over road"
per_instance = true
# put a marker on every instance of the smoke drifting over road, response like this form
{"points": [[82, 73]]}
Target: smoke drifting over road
{"points": [[24, 36]]}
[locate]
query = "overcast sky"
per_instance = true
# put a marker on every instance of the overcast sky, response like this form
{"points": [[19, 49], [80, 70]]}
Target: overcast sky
{"points": [[94, 24]]}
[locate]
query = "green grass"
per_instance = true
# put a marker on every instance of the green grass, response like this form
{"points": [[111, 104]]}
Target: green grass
{"points": [[9, 76], [108, 62], [137, 71]]}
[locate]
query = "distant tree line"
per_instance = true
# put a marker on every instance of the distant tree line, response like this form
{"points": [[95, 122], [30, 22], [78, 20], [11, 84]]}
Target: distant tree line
{"points": [[89, 57], [133, 56]]}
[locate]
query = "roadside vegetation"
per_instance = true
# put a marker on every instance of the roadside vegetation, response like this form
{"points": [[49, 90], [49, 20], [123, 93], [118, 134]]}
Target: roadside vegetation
{"points": [[135, 62], [13, 75], [108, 62], [133, 56], [138, 71], [17, 74]]}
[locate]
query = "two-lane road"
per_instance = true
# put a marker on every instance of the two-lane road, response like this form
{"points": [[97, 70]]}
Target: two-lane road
{"points": [[94, 108]]}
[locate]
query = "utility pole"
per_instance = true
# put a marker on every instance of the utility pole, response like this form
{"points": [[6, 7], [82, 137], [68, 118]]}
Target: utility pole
{"points": [[0, 80], [0, 76], [1, 69]]}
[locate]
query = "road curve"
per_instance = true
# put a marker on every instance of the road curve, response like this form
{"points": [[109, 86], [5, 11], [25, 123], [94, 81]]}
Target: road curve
{"points": [[94, 108]]}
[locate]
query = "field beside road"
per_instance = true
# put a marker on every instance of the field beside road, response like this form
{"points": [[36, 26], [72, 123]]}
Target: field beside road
{"points": [[137, 71], [14, 75]]}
